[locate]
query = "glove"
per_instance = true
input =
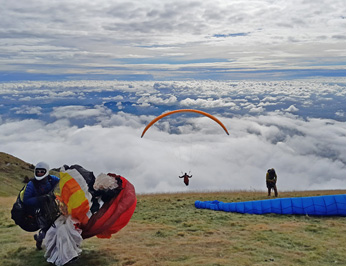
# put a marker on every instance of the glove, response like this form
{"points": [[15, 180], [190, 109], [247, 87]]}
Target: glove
{"points": [[42, 199], [46, 198], [51, 196]]}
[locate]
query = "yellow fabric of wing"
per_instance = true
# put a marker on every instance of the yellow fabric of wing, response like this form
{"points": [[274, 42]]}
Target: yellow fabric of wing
{"points": [[64, 178], [74, 197]]}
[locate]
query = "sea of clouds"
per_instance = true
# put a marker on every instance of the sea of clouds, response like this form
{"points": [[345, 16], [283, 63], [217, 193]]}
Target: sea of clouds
{"points": [[296, 127]]}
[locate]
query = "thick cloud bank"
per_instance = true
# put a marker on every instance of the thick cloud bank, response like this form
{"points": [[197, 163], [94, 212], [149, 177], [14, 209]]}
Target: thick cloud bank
{"points": [[296, 127]]}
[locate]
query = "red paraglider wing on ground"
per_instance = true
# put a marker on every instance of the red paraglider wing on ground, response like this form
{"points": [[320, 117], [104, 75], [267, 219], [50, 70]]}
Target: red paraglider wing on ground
{"points": [[113, 215]]}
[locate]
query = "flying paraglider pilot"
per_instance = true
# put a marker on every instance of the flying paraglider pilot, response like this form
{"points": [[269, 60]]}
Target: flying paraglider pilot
{"points": [[186, 178], [271, 179], [40, 199]]}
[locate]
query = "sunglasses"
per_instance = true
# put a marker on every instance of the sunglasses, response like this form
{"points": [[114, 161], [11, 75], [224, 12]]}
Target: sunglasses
{"points": [[39, 171]]}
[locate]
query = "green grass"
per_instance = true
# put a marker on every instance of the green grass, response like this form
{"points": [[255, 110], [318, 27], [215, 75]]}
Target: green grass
{"points": [[167, 229]]}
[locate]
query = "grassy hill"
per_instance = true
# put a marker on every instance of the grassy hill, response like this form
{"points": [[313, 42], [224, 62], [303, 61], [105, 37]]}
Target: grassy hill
{"points": [[167, 229], [12, 173]]}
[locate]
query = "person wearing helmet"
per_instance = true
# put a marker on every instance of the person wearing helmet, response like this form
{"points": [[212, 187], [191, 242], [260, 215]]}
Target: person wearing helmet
{"points": [[38, 192]]}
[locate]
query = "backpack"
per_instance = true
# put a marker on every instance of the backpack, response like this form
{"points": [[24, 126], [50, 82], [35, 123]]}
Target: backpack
{"points": [[20, 215], [50, 210], [26, 220], [271, 173]]}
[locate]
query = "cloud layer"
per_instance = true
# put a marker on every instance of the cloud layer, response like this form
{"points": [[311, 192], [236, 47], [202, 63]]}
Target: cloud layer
{"points": [[296, 127], [167, 40]]}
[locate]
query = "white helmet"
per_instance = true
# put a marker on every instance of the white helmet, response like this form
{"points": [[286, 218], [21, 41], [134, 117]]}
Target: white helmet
{"points": [[41, 166]]}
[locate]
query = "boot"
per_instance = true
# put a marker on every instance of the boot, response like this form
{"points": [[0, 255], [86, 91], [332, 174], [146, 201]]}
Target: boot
{"points": [[38, 242]]}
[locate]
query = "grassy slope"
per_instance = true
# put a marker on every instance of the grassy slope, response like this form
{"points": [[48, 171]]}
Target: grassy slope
{"points": [[12, 173], [167, 229]]}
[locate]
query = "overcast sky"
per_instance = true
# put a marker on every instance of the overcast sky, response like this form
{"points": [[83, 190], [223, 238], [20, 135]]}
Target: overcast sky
{"points": [[171, 39], [79, 81], [297, 127]]}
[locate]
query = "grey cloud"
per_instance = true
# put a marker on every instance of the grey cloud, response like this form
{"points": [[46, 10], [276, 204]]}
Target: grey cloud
{"points": [[339, 37], [101, 32]]}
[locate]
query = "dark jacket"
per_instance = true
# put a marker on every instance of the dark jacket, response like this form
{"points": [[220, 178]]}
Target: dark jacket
{"points": [[40, 188]]}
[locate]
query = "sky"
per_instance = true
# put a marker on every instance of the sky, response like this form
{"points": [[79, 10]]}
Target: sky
{"points": [[79, 81], [297, 127], [171, 39]]}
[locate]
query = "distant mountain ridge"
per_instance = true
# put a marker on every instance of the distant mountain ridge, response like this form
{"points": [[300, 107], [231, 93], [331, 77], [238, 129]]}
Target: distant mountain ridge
{"points": [[13, 172]]}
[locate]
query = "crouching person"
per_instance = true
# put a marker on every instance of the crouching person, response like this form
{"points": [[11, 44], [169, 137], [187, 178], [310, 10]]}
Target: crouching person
{"points": [[40, 200]]}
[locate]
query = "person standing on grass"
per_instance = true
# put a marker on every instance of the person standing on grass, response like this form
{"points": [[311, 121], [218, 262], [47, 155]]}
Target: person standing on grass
{"points": [[271, 179], [40, 199]]}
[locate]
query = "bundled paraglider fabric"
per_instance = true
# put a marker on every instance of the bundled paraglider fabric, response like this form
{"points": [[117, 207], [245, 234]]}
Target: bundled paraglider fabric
{"points": [[62, 241], [89, 208], [78, 192], [74, 188], [113, 215], [330, 205]]}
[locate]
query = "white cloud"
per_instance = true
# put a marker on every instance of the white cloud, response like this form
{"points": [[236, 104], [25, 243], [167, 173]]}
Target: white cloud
{"points": [[206, 103], [291, 109], [75, 111], [31, 110], [153, 99], [116, 98], [304, 149], [257, 109], [340, 114], [310, 153]]}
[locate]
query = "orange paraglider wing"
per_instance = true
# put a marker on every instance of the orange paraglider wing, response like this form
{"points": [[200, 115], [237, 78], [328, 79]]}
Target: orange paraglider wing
{"points": [[184, 110]]}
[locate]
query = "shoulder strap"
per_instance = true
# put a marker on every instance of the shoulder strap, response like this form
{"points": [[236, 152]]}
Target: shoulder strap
{"points": [[21, 192]]}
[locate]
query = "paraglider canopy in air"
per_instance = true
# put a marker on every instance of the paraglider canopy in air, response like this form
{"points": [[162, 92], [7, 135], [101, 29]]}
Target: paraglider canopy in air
{"points": [[184, 110]]}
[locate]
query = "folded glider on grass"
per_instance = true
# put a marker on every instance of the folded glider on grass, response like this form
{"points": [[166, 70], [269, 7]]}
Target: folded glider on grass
{"points": [[330, 205], [87, 210], [78, 194]]}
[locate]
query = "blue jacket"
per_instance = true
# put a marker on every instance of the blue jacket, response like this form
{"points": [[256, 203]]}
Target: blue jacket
{"points": [[43, 187]]}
